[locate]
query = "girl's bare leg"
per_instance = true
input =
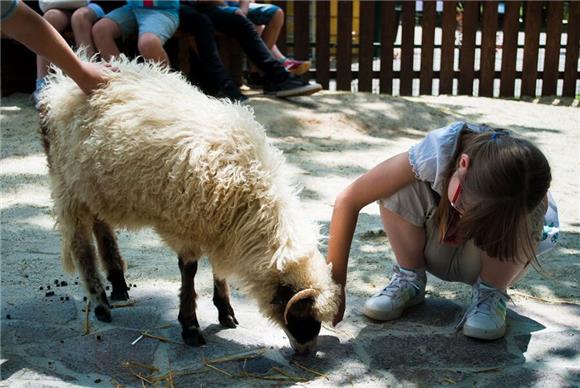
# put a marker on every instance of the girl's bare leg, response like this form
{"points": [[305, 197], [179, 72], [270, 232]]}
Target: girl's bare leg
{"points": [[406, 239]]}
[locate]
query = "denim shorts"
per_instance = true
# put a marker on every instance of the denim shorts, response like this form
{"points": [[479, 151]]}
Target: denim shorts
{"points": [[7, 8], [417, 204], [259, 14], [160, 22], [99, 12]]}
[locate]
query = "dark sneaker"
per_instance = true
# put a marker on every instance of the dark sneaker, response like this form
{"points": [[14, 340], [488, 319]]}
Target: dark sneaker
{"points": [[292, 87], [231, 91], [255, 81]]}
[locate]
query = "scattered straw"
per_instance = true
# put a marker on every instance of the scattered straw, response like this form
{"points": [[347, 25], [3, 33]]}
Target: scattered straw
{"points": [[450, 381], [551, 301], [219, 370], [309, 370], [132, 364], [238, 357], [87, 323], [130, 303], [137, 340], [294, 378], [159, 338]]}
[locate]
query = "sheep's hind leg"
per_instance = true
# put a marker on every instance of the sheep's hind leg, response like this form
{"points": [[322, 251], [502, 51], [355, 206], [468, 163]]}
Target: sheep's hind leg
{"points": [[221, 300], [109, 252], [187, 317], [84, 252]]}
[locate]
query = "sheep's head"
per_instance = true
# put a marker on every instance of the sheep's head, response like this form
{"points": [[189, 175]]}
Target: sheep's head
{"points": [[300, 310]]}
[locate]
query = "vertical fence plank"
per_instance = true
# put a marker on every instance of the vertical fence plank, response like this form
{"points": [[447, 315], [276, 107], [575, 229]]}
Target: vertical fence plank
{"points": [[509, 48], [467, 52], [323, 43], [302, 29], [449, 23], [530, 64], [427, 42], [571, 66], [344, 49], [281, 43], [488, 45], [365, 52], [407, 48], [552, 53], [388, 35]]}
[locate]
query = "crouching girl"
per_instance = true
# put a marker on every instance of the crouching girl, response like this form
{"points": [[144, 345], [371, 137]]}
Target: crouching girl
{"points": [[468, 203]]}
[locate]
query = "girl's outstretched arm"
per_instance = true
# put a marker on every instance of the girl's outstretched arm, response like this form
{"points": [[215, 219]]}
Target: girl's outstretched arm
{"points": [[382, 181], [29, 28]]}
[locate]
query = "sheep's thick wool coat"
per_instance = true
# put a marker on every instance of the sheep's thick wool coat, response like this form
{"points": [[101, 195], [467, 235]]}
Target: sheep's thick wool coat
{"points": [[150, 150]]}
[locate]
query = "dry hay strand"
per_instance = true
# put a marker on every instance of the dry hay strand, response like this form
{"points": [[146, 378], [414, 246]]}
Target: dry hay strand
{"points": [[238, 356], [296, 363], [550, 301], [130, 303], [87, 322], [159, 338]]}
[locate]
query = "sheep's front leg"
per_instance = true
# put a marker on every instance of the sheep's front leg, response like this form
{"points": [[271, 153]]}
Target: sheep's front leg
{"points": [[221, 300], [84, 252], [109, 252], [189, 325]]}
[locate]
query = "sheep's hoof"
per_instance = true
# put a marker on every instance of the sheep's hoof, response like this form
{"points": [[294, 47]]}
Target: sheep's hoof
{"points": [[228, 321], [192, 337], [119, 295], [103, 314]]}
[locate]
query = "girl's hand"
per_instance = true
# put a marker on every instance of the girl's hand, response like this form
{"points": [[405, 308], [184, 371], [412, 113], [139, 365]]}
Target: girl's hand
{"points": [[93, 75], [340, 314]]}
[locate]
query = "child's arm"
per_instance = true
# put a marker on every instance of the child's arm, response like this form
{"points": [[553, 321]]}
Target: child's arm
{"points": [[30, 29], [382, 181]]}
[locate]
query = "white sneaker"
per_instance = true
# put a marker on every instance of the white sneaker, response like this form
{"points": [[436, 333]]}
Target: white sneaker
{"points": [[485, 317], [406, 289]]}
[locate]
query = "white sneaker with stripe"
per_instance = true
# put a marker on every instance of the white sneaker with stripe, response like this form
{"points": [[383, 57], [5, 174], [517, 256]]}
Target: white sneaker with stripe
{"points": [[486, 316], [406, 289]]}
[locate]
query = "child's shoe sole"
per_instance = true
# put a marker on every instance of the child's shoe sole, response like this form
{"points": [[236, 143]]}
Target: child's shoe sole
{"points": [[305, 90], [484, 334], [380, 315]]}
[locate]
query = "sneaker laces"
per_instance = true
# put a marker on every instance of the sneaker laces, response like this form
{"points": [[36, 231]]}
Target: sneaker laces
{"points": [[482, 301], [398, 282]]}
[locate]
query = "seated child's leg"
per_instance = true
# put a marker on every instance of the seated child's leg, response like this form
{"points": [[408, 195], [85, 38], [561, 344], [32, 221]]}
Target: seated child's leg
{"points": [[82, 22], [120, 22], [151, 48], [269, 15], [60, 20], [155, 28]]}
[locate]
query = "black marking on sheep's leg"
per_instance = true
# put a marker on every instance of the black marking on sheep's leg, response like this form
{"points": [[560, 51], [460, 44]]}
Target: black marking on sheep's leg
{"points": [[84, 252], [221, 300], [187, 317], [111, 257]]}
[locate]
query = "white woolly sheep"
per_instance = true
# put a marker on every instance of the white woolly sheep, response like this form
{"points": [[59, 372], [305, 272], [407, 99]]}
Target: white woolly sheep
{"points": [[150, 150]]}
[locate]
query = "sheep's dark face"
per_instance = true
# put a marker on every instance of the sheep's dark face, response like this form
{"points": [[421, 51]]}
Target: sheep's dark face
{"points": [[298, 318]]}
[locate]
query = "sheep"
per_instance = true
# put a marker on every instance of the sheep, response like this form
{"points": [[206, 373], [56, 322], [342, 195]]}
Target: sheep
{"points": [[150, 150]]}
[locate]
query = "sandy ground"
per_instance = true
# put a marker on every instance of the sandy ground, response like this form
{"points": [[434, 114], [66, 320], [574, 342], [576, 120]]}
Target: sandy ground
{"points": [[329, 139]]}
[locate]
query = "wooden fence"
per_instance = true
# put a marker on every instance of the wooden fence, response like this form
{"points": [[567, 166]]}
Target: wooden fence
{"points": [[453, 64]]}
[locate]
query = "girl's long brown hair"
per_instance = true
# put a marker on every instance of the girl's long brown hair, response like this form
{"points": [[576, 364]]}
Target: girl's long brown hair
{"points": [[507, 178]]}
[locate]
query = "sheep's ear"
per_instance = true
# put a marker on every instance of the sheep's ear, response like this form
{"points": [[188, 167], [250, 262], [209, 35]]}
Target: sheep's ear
{"points": [[282, 295]]}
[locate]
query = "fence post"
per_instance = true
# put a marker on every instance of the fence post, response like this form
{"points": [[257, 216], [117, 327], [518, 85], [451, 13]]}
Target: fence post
{"points": [[302, 30], [407, 48], [467, 52], [323, 43], [571, 66], [509, 50], [365, 51], [344, 49], [388, 35], [552, 52], [427, 42], [449, 22], [488, 45], [530, 64]]}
